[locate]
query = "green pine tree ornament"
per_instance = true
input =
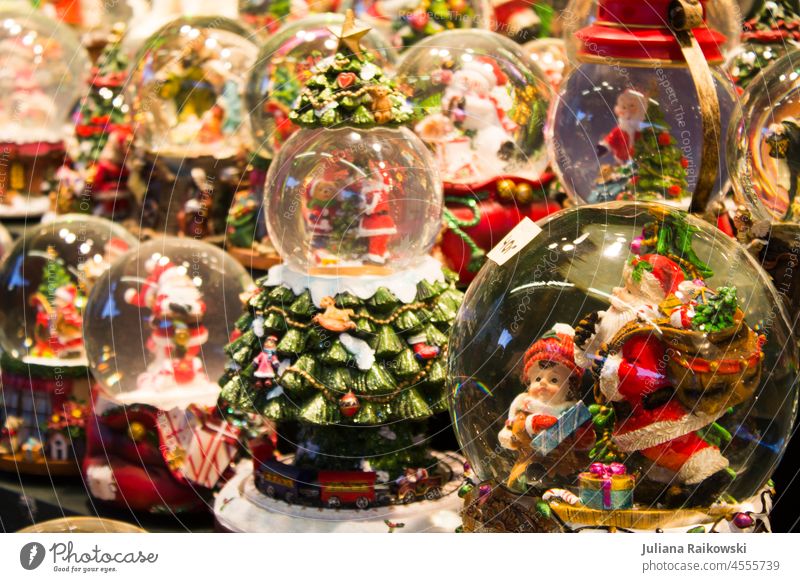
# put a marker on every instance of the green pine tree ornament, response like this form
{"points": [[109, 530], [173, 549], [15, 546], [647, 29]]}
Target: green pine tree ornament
{"points": [[349, 89], [660, 165], [103, 109]]}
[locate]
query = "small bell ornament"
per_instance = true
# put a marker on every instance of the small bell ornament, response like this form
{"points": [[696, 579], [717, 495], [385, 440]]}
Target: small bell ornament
{"points": [[642, 115]]}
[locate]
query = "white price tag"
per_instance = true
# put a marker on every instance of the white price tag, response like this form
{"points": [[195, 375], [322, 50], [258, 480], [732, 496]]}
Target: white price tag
{"points": [[514, 241]]}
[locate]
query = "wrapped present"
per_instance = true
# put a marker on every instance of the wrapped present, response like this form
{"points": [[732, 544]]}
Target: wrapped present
{"points": [[606, 486], [197, 448], [568, 423]]}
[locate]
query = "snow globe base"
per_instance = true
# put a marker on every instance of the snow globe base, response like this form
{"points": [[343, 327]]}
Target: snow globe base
{"points": [[187, 196], [490, 508], [29, 394], [126, 463], [241, 507]]}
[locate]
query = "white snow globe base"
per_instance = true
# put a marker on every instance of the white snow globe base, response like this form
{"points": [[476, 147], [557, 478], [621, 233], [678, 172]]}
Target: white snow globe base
{"points": [[241, 507]]}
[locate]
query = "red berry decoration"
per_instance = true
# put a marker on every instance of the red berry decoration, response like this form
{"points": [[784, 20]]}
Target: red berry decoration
{"points": [[183, 370], [418, 20], [664, 139], [349, 404], [674, 190], [684, 163]]}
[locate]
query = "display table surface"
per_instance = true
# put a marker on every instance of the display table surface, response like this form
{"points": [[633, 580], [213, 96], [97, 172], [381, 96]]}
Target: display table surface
{"points": [[28, 499], [240, 507]]}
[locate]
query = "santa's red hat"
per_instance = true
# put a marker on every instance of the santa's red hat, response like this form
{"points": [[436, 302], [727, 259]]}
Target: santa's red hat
{"points": [[146, 294], [556, 346]]}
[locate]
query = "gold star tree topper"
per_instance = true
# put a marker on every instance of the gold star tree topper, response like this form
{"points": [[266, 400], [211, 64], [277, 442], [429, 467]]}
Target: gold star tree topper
{"points": [[350, 33]]}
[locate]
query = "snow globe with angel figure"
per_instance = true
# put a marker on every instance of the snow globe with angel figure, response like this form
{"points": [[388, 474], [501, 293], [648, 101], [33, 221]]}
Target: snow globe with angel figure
{"points": [[156, 325], [639, 377]]}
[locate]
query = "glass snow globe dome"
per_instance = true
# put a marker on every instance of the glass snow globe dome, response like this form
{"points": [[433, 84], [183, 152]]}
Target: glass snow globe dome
{"points": [[627, 124], [407, 22], [187, 88], [351, 200], [764, 141], [268, 16], [157, 322], [44, 282], [625, 339], [43, 72], [481, 105], [284, 65]]}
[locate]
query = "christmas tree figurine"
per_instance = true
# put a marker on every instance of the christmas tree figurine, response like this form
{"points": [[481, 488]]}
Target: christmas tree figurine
{"points": [[58, 303], [649, 165], [348, 336]]}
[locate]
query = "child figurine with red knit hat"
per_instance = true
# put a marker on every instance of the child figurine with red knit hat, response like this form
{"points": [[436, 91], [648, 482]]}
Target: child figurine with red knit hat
{"points": [[549, 413]]}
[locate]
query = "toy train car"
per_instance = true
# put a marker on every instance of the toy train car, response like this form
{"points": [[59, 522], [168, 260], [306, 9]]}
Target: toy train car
{"points": [[337, 489]]}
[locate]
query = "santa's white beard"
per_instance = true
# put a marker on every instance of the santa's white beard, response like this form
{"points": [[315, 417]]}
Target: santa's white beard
{"points": [[630, 126]]}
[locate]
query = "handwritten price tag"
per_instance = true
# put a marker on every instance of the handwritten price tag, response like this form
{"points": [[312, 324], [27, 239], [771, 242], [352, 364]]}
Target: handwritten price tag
{"points": [[514, 241]]}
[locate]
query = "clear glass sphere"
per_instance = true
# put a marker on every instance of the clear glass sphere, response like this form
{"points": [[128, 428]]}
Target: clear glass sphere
{"points": [[44, 283], [43, 71], [764, 143], [406, 22], [268, 16], [550, 55], [481, 105], [158, 320], [284, 65], [632, 133], [597, 342], [187, 87], [357, 198], [724, 16]]}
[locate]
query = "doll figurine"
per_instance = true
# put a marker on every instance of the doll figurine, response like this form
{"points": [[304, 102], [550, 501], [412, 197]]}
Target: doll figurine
{"points": [[551, 399]]}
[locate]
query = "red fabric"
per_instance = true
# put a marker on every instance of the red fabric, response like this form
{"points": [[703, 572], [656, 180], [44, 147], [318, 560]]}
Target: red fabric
{"points": [[674, 454]]}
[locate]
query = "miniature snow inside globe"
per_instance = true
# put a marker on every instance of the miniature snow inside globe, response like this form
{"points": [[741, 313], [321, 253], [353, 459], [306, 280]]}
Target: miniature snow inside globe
{"points": [[764, 142], [407, 22], [157, 322], [481, 106], [44, 71], [628, 124], [283, 66], [629, 367], [44, 283]]}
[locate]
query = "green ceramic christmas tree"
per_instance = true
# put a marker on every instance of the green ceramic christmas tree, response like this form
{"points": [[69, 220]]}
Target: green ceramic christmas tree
{"points": [[353, 354]]}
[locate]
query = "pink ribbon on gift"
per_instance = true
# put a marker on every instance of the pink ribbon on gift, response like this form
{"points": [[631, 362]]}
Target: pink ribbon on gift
{"points": [[607, 472]]}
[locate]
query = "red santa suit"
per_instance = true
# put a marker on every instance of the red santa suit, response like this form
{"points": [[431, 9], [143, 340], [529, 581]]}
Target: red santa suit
{"points": [[620, 143], [376, 222], [661, 429]]}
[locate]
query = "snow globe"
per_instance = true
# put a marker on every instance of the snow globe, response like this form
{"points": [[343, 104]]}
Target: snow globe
{"points": [[639, 131], [406, 22], [347, 337], [283, 67], [550, 55], [480, 105], [44, 282], [156, 325], [269, 16], [764, 165], [639, 379], [44, 72], [185, 93]]}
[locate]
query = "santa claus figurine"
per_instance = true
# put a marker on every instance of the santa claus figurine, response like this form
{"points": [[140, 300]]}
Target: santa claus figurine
{"points": [[630, 110], [177, 332], [477, 103], [631, 361], [376, 222], [107, 182]]}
